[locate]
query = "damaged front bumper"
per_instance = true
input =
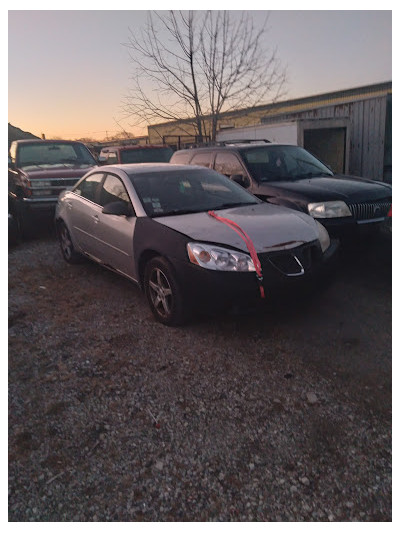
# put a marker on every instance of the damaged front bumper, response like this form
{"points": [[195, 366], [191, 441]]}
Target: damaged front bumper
{"points": [[286, 273]]}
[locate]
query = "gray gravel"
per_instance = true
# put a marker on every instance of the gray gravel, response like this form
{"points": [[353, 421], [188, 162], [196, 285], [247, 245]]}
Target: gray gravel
{"points": [[278, 416]]}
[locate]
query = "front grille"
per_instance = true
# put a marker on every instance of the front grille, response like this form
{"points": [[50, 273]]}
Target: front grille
{"points": [[370, 210], [288, 264], [56, 182], [294, 262]]}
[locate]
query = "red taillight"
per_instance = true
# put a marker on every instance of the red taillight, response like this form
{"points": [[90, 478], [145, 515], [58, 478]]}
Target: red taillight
{"points": [[390, 212]]}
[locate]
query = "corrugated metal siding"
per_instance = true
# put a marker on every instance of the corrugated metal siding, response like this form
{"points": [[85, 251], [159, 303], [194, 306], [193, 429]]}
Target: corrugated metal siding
{"points": [[367, 137], [367, 131]]}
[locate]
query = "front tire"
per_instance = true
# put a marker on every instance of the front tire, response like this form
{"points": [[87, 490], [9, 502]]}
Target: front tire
{"points": [[67, 247], [25, 222], [164, 294]]}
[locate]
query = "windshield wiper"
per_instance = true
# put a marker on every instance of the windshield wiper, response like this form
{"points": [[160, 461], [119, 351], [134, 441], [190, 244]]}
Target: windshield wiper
{"points": [[32, 164], [312, 175], [234, 204], [178, 212]]}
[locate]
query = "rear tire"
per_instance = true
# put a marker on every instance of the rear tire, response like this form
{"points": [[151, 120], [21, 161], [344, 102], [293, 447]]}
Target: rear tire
{"points": [[163, 293], [67, 247]]}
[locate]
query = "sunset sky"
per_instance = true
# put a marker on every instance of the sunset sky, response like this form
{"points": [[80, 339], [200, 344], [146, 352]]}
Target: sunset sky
{"points": [[68, 71]]}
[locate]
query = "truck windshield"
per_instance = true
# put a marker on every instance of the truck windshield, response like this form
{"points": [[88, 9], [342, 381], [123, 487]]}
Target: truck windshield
{"points": [[57, 153], [282, 163], [146, 155]]}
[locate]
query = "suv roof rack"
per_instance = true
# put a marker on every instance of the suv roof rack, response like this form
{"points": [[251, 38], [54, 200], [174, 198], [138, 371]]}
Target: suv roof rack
{"points": [[244, 141]]}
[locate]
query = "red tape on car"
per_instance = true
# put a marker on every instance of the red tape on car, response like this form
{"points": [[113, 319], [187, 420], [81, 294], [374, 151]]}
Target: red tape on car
{"points": [[249, 244]]}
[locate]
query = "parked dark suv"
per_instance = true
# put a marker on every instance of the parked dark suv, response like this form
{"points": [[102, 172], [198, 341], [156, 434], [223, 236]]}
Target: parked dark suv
{"points": [[137, 153], [289, 175], [38, 170]]}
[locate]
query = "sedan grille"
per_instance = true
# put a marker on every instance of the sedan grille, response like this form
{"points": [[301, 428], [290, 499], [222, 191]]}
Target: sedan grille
{"points": [[294, 262], [370, 210]]}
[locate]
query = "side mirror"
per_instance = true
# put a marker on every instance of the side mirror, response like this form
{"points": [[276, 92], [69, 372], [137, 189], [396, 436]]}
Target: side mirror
{"points": [[118, 209], [240, 179]]}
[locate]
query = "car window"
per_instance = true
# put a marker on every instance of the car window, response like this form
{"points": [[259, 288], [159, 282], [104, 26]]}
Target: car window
{"points": [[58, 153], [88, 187], [146, 155], [181, 158], [113, 190], [202, 158], [189, 190], [274, 163], [112, 158], [228, 164]]}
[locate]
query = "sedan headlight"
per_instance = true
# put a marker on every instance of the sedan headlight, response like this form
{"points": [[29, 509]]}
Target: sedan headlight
{"points": [[323, 237], [217, 258], [334, 209]]}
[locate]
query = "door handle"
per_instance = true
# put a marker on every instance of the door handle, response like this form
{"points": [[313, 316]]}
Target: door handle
{"points": [[96, 219]]}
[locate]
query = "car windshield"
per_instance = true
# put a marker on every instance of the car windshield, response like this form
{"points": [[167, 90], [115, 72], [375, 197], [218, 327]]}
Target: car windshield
{"points": [[188, 190], [48, 154], [146, 155], [282, 163]]}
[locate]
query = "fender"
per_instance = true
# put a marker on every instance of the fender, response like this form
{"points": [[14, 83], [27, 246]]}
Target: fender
{"points": [[147, 244], [276, 200]]}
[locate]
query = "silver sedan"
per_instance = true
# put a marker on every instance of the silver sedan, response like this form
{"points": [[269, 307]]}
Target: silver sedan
{"points": [[188, 236]]}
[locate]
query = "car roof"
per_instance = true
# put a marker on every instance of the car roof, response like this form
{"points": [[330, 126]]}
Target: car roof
{"points": [[49, 141], [132, 146], [143, 168], [232, 146]]}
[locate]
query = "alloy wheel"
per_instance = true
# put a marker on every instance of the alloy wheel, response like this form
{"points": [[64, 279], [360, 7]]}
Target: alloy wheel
{"points": [[66, 243], [160, 292]]}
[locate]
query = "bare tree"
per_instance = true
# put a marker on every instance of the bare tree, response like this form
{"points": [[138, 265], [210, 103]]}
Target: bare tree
{"points": [[196, 65]]}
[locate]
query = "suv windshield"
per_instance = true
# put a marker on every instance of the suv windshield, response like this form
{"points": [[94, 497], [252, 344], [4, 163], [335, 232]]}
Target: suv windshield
{"points": [[146, 155], [282, 163], [58, 153], [188, 191]]}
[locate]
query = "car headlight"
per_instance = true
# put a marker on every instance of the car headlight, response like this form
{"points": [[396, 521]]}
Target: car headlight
{"points": [[323, 237], [217, 258], [334, 209]]}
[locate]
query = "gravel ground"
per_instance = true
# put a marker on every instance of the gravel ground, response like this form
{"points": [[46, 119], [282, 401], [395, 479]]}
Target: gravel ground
{"points": [[277, 416]]}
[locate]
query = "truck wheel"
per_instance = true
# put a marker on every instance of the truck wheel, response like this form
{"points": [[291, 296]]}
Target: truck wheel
{"points": [[24, 223], [14, 235]]}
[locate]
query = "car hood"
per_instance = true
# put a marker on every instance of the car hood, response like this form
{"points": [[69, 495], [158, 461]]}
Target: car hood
{"points": [[55, 171], [270, 227], [337, 187]]}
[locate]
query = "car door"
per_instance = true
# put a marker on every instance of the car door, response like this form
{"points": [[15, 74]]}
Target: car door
{"points": [[114, 233], [83, 210]]}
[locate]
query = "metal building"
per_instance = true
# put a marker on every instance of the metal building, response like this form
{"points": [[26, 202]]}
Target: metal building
{"points": [[351, 130]]}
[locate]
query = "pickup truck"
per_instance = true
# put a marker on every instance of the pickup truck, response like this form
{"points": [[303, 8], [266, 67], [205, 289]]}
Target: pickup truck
{"points": [[38, 170]]}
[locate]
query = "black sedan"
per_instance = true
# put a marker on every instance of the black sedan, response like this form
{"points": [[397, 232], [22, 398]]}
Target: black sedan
{"points": [[288, 175]]}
